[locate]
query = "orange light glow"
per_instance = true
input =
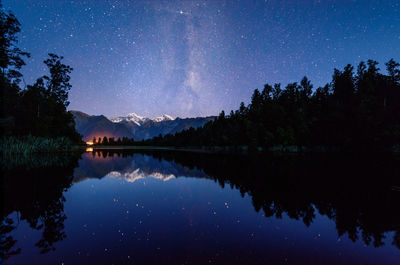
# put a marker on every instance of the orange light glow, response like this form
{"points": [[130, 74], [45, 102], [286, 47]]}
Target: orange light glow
{"points": [[89, 143], [89, 149]]}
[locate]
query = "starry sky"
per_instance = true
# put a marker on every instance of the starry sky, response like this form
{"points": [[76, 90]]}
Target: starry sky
{"points": [[196, 58]]}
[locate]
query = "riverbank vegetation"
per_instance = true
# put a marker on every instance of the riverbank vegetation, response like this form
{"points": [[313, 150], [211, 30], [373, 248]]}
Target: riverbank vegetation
{"points": [[36, 152]]}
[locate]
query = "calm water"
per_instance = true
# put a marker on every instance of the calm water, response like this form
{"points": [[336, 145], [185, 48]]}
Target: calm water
{"points": [[188, 208]]}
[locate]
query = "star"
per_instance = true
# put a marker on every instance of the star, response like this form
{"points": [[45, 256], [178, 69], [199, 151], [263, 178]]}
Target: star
{"points": [[195, 59]]}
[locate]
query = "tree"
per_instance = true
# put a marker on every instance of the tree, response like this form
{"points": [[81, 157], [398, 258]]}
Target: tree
{"points": [[306, 88], [343, 84], [44, 110], [11, 57], [242, 109], [11, 61], [393, 69], [58, 82], [276, 92], [105, 140], [32, 119]]}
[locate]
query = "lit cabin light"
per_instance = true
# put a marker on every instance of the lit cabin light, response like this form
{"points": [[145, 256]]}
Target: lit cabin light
{"points": [[89, 143], [89, 149]]}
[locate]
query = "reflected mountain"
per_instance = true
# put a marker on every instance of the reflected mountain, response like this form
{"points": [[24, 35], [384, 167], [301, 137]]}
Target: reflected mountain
{"points": [[359, 195], [139, 174], [129, 166]]}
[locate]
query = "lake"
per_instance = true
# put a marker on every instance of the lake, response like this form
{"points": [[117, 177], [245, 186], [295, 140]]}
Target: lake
{"points": [[176, 207]]}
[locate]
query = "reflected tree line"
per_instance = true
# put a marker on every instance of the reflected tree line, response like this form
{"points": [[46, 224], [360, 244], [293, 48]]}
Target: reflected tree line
{"points": [[39, 202], [356, 193]]}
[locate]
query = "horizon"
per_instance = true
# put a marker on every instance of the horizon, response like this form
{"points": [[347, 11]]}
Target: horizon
{"points": [[142, 116], [196, 59]]}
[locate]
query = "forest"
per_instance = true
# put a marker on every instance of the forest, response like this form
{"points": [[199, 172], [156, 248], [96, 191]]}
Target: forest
{"points": [[358, 110], [36, 112]]}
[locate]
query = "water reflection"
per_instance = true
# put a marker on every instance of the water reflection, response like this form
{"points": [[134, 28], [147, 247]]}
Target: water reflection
{"points": [[130, 166], [357, 194], [35, 196]]}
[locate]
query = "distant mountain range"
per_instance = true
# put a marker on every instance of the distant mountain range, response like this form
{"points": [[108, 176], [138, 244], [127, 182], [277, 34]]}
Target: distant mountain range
{"points": [[139, 120], [132, 125]]}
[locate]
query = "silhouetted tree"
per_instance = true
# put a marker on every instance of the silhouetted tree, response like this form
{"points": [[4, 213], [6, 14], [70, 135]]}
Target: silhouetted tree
{"points": [[10, 55], [39, 109], [11, 61], [58, 84], [44, 112], [355, 111]]}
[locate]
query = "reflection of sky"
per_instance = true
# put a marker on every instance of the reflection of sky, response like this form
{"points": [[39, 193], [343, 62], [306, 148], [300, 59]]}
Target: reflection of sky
{"points": [[151, 221]]}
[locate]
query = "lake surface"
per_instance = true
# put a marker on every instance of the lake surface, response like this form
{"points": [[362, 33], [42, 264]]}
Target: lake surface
{"points": [[165, 207]]}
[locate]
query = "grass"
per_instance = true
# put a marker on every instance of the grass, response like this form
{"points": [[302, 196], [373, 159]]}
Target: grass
{"points": [[32, 144], [32, 150]]}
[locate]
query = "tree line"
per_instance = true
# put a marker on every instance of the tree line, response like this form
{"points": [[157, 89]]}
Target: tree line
{"points": [[359, 108], [39, 109], [113, 141]]}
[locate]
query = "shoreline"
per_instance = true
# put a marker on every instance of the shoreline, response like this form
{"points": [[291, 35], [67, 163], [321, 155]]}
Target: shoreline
{"points": [[240, 149]]}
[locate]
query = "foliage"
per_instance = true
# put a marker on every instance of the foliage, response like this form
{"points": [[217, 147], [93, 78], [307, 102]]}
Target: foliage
{"points": [[11, 57], [11, 61], [39, 109], [29, 151], [353, 112], [27, 145]]}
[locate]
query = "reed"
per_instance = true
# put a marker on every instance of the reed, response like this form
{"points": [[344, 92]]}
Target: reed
{"points": [[32, 151], [32, 144]]}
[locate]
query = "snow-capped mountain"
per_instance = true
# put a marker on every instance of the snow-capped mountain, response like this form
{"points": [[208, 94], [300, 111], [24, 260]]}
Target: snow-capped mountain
{"points": [[131, 117], [164, 117], [139, 120]]}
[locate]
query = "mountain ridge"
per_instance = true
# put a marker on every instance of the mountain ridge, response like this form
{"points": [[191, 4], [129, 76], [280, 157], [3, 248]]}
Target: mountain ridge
{"points": [[132, 125], [139, 120]]}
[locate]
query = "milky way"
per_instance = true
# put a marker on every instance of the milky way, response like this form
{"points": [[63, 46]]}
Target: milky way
{"points": [[197, 58]]}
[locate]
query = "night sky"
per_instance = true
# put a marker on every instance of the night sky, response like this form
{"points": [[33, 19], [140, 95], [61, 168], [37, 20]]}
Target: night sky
{"points": [[196, 58]]}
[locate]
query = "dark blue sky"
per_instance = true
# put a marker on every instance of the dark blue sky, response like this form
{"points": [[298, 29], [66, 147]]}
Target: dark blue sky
{"points": [[195, 58]]}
